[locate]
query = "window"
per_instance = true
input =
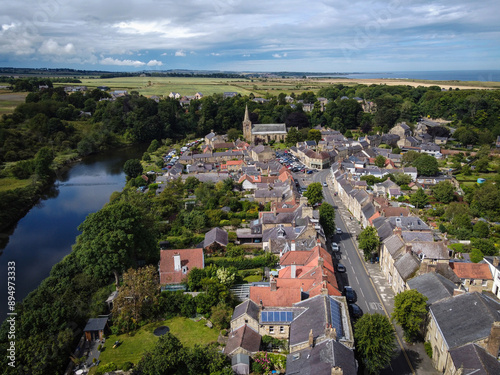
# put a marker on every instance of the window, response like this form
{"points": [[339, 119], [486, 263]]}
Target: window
{"points": [[484, 283], [271, 330], [442, 346], [246, 321], [282, 329]]}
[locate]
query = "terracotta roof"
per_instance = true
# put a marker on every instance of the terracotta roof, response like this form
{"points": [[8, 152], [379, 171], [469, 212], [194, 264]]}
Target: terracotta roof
{"points": [[190, 258], [471, 270], [297, 257], [280, 297], [395, 211]]}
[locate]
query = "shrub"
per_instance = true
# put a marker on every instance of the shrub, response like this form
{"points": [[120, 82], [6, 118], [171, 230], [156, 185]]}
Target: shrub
{"points": [[428, 348], [127, 366], [224, 223]]}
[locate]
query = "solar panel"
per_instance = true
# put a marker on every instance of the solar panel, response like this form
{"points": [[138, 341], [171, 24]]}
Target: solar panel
{"points": [[276, 316], [336, 316]]}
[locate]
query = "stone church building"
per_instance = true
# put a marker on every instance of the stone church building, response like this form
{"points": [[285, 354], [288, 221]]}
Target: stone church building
{"points": [[255, 133]]}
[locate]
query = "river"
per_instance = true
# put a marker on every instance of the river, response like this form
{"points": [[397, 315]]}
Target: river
{"points": [[45, 235]]}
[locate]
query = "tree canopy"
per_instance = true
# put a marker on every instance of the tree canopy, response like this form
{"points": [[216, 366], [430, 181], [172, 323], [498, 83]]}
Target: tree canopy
{"points": [[114, 238], [444, 192], [327, 218], [409, 312], [375, 341], [314, 193], [369, 241], [132, 168], [419, 199], [426, 165]]}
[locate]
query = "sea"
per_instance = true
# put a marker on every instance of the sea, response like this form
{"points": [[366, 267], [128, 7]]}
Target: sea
{"points": [[437, 75]]}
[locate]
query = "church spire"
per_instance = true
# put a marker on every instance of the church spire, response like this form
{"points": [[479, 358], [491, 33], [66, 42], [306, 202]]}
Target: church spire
{"points": [[247, 117]]}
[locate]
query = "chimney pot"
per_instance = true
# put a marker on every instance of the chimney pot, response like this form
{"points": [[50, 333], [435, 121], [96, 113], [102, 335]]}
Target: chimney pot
{"points": [[493, 342], [311, 339], [273, 285]]}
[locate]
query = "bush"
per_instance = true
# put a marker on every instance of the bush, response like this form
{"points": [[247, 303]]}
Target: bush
{"points": [[127, 366], [428, 348], [224, 223], [111, 366], [235, 222]]}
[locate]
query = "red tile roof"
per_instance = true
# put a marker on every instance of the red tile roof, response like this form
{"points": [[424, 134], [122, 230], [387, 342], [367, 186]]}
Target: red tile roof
{"points": [[282, 296], [189, 257], [471, 270]]}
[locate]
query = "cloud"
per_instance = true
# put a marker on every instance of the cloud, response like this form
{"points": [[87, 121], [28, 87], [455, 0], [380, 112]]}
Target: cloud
{"points": [[51, 47], [180, 53], [164, 54], [111, 61], [278, 56], [154, 63], [215, 54]]}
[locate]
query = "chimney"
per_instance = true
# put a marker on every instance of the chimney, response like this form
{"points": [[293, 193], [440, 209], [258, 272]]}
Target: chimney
{"points": [[293, 271], [493, 341], [321, 262], [177, 262], [397, 231], [337, 371], [495, 262], [311, 338], [324, 277], [330, 332], [273, 285], [457, 292], [408, 249], [292, 246], [324, 290]]}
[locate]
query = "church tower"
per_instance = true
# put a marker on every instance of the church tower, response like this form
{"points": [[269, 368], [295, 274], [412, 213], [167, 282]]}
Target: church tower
{"points": [[247, 126]]}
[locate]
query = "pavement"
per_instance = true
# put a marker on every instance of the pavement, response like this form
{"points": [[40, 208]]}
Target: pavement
{"points": [[374, 293]]}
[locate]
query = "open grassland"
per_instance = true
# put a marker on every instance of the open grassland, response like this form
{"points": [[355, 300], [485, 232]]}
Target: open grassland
{"points": [[133, 346], [12, 183], [10, 100]]}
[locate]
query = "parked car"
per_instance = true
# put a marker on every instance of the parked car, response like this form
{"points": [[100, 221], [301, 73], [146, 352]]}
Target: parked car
{"points": [[339, 231], [310, 171], [349, 294], [335, 246], [325, 184], [355, 311], [341, 268]]}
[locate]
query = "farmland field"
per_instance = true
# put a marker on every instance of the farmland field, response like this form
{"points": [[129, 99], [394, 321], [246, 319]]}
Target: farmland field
{"points": [[10, 100]]}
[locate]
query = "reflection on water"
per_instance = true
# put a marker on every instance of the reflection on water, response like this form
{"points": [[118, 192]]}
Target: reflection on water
{"points": [[45, 235]]}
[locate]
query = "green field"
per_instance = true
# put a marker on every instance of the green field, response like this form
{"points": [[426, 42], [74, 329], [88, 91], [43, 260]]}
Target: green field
{"points": [[13, 183], [10, 100], [133, 346]]}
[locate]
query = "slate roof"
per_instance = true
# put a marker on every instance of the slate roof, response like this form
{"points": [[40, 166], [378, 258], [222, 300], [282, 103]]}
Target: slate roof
{"points": [[433, 250], [383, 226], [249, 307], [432, 285], [393, 244], [244, 337], [407, 265], [315, 317], [320, 359], [268, 128], [409, 236], [465, 318], [216, 235], [473, 359], [95, 324], [408, 223]]}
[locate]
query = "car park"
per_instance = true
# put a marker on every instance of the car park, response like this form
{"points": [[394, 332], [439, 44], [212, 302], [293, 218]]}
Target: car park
{"points": [[349, 294], [341, 268]]}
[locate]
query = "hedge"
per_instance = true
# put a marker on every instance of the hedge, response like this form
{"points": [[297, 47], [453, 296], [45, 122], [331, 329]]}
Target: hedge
{"points": [[241, 263]]}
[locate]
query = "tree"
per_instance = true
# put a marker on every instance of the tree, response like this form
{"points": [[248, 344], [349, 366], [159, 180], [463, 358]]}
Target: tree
{"points": [[369, 241], [426, 165], [444, 192], [314, 193], [375, 341], [419, 199], [380, 161], [43, 160], [402, 178], [476, 255], [166, 358], [114, 238], [314, 135], [409, 312], [132, 168], [486, 246], [410, 157], [153, 146], [327, 218], [482, 165], [233, 134], [481, 229], [138, 295]]}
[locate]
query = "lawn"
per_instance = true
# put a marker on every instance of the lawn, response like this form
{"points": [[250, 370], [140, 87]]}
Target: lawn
{"points": [[132, 347], [12, 183]]}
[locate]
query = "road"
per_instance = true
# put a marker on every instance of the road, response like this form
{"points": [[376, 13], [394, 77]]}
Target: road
{"points": [[356, 274]]}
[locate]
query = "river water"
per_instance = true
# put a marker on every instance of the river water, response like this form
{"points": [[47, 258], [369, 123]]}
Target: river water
{"points": [[45, 235]]}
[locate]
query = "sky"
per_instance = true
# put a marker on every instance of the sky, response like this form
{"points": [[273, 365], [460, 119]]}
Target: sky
{"points": [[242, 35]]}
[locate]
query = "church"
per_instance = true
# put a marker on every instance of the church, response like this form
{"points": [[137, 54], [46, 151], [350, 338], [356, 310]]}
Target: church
{"points": [[255, 133]]}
